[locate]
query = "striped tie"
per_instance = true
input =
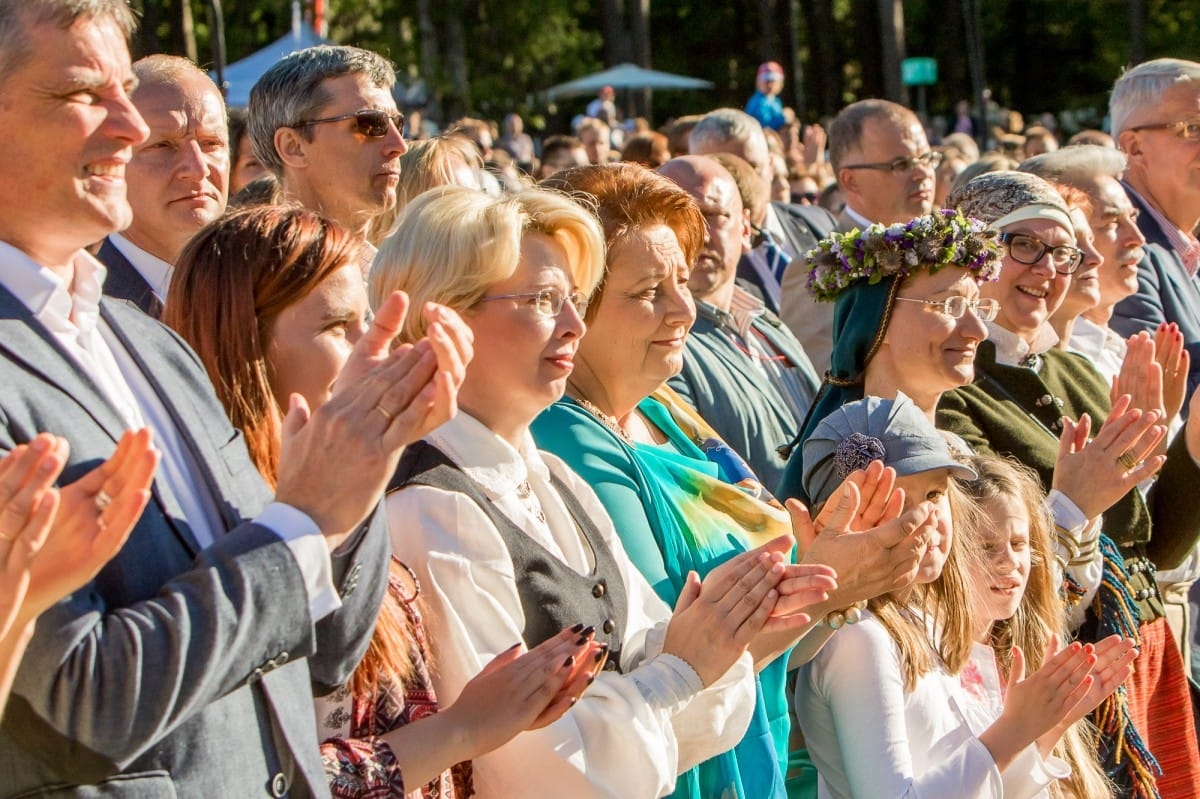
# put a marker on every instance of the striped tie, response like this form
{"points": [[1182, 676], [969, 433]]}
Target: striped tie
{"points": [[777, 258]]}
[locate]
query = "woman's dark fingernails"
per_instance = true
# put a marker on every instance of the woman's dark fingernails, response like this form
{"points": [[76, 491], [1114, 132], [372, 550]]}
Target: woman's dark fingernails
{"points": [[577, 628], [569, 662]]}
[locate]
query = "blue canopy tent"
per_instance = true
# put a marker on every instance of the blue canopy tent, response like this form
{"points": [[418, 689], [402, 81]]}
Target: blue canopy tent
{"points": [[241, 76]]}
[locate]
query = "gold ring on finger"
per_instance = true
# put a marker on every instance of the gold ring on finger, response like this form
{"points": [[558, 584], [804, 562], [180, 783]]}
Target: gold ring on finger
{"points": [[4, 537], [1126, 460], [383, 411], [102, 500]]}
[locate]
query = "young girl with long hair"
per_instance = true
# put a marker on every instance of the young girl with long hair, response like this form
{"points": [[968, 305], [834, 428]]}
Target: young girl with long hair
{"points": [[1017, 609], [880, 705]]}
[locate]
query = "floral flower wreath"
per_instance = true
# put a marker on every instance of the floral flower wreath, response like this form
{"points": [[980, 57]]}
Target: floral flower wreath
{"points": [[928, 242]]}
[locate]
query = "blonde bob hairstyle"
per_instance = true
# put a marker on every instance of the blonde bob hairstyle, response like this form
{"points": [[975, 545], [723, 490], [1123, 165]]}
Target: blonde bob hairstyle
{"points": [[452, 244]]}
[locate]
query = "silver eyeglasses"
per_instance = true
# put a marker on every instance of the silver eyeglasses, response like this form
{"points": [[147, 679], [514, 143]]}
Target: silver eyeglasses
{"points": [[547, 302], [930, 159], [955, 307], [1028, 250], [1188, 129]]}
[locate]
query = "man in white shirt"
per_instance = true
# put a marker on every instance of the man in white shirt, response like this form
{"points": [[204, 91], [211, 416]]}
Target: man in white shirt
{"points": [[178, 178], [324, 121], [187, 666]]}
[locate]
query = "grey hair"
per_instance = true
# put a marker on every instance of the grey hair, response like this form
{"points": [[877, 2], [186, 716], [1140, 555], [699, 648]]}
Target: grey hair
{"points": [[18, 17], [722, 125], [1145, 85], [291, 91], [1078, 165]]}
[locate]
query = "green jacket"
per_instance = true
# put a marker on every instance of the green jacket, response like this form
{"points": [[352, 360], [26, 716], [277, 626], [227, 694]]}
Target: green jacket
{"points": [[1015, 411]]}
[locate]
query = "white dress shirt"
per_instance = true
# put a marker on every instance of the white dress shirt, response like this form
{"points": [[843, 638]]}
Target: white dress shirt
{"points": [[73, 317], [869, 738], [630, 734]]}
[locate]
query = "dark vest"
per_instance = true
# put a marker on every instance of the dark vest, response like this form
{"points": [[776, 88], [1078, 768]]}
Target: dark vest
{"points": [[553, 595]]}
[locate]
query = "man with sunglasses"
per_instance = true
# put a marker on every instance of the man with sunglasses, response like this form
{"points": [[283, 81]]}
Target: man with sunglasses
{"points": [[886, 172], [1155, 110], [324, 121], [178, 178]]}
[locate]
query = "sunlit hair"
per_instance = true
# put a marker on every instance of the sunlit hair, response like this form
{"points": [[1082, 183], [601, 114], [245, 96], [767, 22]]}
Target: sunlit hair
{"points": [[19, 17], [428, 164], [628, 198], [1079, 165], [293, 90], [755, 192], [1144, 87], [231, 284], [452, 244], [846, 130], [1040, 613], [944, 602], [649, 148]]}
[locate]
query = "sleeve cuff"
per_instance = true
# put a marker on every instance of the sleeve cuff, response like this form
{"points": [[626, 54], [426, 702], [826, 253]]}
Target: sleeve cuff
{"points": [[672, 683], [302, 536], [1065, 512]]}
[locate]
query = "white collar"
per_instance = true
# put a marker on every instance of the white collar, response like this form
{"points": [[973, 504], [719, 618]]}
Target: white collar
{"points": [[485, 457], [153, 269], [59, 307], [1011, 349], [856, 217]]}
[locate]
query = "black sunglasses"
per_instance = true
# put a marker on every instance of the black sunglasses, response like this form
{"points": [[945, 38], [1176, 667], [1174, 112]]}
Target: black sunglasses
{"points": [[369, 122]]}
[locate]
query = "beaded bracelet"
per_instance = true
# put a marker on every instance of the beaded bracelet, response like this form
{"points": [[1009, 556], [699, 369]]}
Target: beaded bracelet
{"points": [[837, 619]]}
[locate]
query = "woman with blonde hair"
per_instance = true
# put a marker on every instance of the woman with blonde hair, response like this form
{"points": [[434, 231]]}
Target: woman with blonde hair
{"points": [[272, 299], [512, 541]]}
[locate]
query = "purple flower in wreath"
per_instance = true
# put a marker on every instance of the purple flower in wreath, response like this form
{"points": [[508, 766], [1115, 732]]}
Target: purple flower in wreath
{"points": [[856, 451]]}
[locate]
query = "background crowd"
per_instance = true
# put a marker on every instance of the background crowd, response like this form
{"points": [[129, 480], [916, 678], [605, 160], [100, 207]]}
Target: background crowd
{"points": [[737, 459]]}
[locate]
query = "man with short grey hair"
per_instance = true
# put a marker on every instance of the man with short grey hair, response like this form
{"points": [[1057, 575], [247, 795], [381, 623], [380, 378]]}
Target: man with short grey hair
{"points": [[1155, 109], [324, 121]]}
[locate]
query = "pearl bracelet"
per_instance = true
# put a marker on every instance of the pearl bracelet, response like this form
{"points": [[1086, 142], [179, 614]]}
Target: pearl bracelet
{"points": [[837, 619]]}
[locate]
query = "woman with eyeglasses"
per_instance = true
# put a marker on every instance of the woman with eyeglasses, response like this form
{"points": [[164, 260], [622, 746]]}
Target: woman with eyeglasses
{"points": [[272, 299], [1037, 403], [914, 304], [508, 541]]}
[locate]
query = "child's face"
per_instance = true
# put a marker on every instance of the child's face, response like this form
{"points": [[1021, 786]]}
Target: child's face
{"points": [[931, 486], [1000, 577]]}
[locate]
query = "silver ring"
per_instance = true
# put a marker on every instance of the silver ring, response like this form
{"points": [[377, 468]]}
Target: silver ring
{"points": [[102, 500]]}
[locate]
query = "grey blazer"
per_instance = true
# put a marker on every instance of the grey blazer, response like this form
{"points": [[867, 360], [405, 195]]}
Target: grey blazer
{"points": [[178, 671]]}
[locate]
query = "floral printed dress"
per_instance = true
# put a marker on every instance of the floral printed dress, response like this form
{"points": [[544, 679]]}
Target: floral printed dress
{"points": [[359, 764]]}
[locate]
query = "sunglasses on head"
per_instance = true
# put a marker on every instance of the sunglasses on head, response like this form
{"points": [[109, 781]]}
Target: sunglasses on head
{"points": [[369, 122]]}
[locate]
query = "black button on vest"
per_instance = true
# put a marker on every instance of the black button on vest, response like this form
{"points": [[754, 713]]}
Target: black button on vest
{"points": [[553, 595]]}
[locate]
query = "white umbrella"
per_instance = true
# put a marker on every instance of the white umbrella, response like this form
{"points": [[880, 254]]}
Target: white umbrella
{"points": [[626, 76]]}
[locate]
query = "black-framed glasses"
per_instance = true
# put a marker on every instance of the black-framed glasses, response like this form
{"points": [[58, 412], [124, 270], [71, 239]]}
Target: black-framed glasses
{"points": [[1188, 130], [957, 306], [547, 302], [930, 159], [1028, 250], [370, 122]]}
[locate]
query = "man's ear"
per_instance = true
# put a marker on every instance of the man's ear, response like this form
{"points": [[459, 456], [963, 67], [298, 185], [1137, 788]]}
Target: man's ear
{"points": [[1130, 143], [291, 147], [747, 231]]}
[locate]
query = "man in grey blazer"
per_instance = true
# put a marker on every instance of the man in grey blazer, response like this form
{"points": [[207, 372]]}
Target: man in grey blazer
{"points": [[186, 668], [1156, 124]]}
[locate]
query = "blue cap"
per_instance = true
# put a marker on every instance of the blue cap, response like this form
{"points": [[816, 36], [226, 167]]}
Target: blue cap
{"points": [[893, 431]]}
